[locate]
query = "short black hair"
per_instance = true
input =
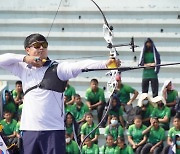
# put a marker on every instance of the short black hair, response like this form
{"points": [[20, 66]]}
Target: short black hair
{"points": [[33, 38], [94, 80], [77, 95], [19, 82]]}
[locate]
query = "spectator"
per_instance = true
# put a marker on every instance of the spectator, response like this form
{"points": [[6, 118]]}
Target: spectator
{"points": [[69, 92], [114, 129], [150, 57], [124, 149], [79, 109], [88, 127], [145, 102], [71, 146], [109, 147], [135, 136], [90, 147], [175, 130], [9, 126], [124, 91], [95, 98], [175, 148], [71, 126], [18, 94], [170, 95], [155, 139], [161, 111], [9, 104], [116, 110]]}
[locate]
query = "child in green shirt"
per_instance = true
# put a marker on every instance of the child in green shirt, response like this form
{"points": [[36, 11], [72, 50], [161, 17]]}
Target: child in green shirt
{"points": [[135, 136], [173, 131], [71, 146], [114, 129], [116, 110], [88, 127], [90, 147], [155, 138], [124, 149], [109, 148]]}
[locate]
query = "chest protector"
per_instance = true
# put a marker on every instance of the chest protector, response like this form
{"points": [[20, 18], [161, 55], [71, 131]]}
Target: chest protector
{"points": [[50, 80]]}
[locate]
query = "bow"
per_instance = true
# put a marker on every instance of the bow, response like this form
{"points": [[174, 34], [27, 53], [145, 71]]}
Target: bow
{"points": [[113, 70]]}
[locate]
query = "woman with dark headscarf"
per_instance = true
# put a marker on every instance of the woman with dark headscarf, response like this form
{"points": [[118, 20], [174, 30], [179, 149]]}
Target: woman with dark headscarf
{"points": [[150, 57]]}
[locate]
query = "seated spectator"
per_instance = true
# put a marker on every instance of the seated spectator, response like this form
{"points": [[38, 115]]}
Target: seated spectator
{"points": [[9, 126], [161, 111], [170, 95], [135, 137], [145, 102], [18, 94], [79, 109], [69, 92], [90, 147], [9, 104], [123, 148], [71, 146], [155, 139], [172, 133], [114, 129], [175, 148], [124, 91], [87, 127], [116, 110], [95, 98], [71, 126], [109, 147]]}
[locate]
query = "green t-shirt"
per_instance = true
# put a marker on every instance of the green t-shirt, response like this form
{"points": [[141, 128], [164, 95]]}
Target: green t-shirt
{"points": [[114, 131], [161, 113], [10, 106], [149, 72], [148, 111], [72, 148], [171, 96], [8, 128], [14, 94], [17, 129], [124, 93], [94, 149], [136, 133], [94, 97], [119, 113], [156, 136], [108, 150], [173, 132], [79, 113], [86, 129], [69, 92], [126, 150]]}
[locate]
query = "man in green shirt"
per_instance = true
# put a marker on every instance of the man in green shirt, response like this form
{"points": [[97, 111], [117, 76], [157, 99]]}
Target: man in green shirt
{"points": [[71, 146], [124, 91], [90, 147], [150, 57], [95, 98], [79, 109]]}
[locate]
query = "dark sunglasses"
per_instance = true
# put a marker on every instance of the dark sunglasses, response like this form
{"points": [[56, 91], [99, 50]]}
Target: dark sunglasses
{"points": [[37, 45]]}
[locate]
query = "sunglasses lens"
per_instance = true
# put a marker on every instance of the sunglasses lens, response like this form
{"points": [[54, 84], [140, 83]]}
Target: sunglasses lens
{"points": [[37, 45]]}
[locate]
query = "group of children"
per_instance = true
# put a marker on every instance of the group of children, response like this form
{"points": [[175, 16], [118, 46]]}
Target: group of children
{"points": [[128, 129]]}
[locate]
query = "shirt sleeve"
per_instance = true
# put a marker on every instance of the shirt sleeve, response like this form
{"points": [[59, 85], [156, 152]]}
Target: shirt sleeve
{"points": [[66, 70], [11, 62]]}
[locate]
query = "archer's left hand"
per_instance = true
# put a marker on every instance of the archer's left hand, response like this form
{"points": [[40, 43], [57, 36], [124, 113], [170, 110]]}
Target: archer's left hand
{"points": [[111, 61]]}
